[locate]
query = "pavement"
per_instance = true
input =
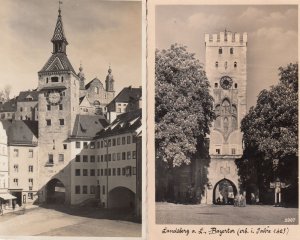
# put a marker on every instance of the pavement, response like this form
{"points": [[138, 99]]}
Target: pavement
{"points": [[202, 214], [65, 221]]}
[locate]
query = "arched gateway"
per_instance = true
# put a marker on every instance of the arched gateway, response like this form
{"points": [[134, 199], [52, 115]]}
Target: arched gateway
{"points": [[224, 192], [55, 192], [121, 197]]}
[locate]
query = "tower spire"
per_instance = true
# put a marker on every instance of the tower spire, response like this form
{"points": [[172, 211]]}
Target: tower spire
{"points": [[59, 10]]}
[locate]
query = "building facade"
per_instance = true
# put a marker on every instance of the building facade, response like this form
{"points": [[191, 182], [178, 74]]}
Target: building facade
{"points": [[226, 69]]}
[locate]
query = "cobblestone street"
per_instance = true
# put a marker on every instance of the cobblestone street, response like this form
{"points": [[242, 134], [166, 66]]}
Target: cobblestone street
{"points": [[169, 213], [69, 222]]}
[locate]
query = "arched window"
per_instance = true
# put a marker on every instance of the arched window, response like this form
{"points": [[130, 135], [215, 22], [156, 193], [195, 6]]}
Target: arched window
{"points": [[220, 50], [96, 103], [96, 90], [216, 64], [235, 64], [235, 85], [231, 50]]}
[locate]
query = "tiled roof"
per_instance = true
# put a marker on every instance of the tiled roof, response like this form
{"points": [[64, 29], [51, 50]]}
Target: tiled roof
{"points": [[21, 132], [58, 62], [59, 33], [9, 106], [86, 126], [24, 96], [87, 86], [126, 122], [125, 95]]}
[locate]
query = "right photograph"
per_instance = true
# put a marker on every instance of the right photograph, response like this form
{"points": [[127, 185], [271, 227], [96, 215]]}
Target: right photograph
{"points": [[226, 114]]}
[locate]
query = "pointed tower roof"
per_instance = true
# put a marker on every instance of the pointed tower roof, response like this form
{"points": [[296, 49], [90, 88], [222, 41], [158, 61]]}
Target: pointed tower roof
{"points": [[59, 33]]}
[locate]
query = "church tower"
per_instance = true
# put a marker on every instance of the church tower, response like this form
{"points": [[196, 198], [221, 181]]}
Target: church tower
{"points": [[226, 69], [58, 105], [109, 84]]}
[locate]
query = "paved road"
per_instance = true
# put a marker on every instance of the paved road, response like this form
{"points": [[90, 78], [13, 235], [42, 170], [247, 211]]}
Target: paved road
{"points": [[51, 222], [169, 213]]}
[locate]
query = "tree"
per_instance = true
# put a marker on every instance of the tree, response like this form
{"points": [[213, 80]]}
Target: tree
{"points": [[4, 94], [270, 131], [183, 105]]}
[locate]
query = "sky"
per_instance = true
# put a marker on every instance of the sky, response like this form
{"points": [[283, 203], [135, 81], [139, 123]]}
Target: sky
{"points": [[272, 36], [99, 34]]}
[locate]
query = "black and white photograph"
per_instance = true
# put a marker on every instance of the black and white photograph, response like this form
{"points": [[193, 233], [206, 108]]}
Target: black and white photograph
{"points": [[71, 118], [226, 115]]}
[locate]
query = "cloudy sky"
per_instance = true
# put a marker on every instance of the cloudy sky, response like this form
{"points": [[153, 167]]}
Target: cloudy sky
{"points": [[99, 33], [272, 35]]}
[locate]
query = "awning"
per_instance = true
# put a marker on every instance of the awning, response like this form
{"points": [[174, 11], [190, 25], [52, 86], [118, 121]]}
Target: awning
{"points": [[7, 196]]}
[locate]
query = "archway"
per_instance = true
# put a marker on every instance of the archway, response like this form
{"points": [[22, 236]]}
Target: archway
{"points": [[121, 197], [55, 192], [224, 192]]}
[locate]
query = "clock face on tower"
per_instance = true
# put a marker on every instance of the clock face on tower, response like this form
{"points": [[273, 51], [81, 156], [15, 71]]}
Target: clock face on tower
{"points": [[226, 82], [54, 97]]}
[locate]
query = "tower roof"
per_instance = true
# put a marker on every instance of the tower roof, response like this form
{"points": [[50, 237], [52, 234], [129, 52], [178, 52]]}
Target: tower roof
{"points": [[58, 62], [59, 34]]}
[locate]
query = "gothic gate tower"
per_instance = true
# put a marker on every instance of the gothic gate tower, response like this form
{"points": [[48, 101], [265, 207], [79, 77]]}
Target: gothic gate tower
{"points": [[226, 69], [58, 103]]}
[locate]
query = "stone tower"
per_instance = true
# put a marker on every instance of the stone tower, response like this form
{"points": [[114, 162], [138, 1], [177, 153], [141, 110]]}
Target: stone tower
{"points": [[109, 84], [58, 104], [226, 69]]}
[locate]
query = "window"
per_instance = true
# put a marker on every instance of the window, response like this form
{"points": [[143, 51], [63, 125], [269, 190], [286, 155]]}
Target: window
{"points": [[128, 155], [118, 156], [50, 158], [30, 196], [109, 172], [92, 189], [85, 145], [54, 79], [92, 145], [235, 64], [133, 154], [48, 121], [114, 157], [118, 141], [98, 172], [109, 157], [235, 85], [16, 152], [101, 172], [16, 181], [128, 171], [77, 172], [118, 171], [62, 79], [61, 122], [114, 172], [84, 172], [92, 172], [231, 50], [47, 80], [98, 158], [61, 157], [128, 139], [220, 50], [30, 168], [123, 140], [101, 144], [30, 180], [48, 107], [123, 171], [92, 158], [109, 142], [98, 144], [105, 158], [77, 189], [101, 158], [96, 90], [233, 151], [60, 107], [85, 158], [65, 146], [216, 85], [218, 151], [16, 167], [114, 142], [21, 109], [216, 64], [103, 190], [123, 155], [77, 158], [133, 139], [77, 144], [133, 170]]}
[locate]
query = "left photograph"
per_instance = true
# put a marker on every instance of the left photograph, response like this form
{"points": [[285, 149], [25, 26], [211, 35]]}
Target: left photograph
{"points": [[71, 118]]}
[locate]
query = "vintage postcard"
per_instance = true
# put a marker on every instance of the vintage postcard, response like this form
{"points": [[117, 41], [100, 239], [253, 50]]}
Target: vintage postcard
{"points": [[72, 160], [223, 150]]}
